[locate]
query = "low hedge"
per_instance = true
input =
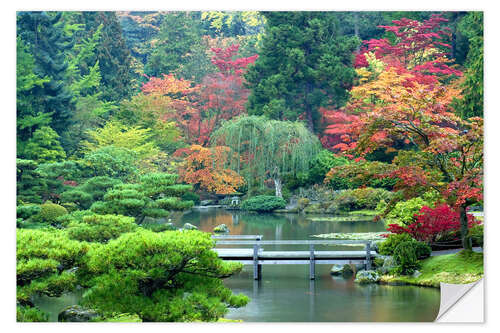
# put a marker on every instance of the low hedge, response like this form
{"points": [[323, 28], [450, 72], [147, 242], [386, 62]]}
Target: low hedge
{"points": [[263, 203]]}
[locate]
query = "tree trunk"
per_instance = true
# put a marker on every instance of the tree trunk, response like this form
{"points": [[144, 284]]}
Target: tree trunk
{"points": [[277, 186], [464, 229]]}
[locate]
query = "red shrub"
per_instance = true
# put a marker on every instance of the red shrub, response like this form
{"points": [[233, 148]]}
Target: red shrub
{"points": [[433, 223]]}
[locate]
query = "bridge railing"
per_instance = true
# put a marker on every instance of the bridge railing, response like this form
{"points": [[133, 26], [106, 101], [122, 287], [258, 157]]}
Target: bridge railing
{"points": [[256, 241]]}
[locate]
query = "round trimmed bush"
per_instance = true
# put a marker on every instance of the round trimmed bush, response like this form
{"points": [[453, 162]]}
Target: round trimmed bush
{"points": [[49, 212], [387, 247], [263, 203]]}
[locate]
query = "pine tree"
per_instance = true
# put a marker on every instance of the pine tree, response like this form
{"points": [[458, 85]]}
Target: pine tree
{"points": [[113, 55], [29, 117], [304, 64], [178, 35], [45, 39]]}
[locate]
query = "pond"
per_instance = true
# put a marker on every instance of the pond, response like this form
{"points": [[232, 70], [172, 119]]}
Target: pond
{"points": [[285, 293]]}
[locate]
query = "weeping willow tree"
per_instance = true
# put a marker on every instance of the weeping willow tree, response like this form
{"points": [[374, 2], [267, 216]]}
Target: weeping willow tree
{"points": [[267, 149]]}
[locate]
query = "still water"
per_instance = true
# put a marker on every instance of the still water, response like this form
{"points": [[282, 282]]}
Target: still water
{"points": [[285, 293]]}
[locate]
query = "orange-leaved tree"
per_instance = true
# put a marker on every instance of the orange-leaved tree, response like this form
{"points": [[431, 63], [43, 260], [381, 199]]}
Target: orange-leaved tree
{"points": [[205, 168]]}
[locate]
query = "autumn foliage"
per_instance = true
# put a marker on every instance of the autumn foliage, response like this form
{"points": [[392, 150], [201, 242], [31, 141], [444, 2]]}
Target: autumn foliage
{"points": [[206, 169], [433, 224], [198, 110]]}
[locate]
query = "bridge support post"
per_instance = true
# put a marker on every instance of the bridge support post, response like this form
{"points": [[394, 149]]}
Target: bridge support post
{"points": [[257, 269], [312, 266], [368, 264]]}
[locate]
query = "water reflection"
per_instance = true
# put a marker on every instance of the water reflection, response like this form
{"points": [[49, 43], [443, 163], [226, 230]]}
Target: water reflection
{"points": [[285, 292]]}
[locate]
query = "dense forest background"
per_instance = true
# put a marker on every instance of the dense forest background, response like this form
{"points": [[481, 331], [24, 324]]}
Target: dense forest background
{"points": [[78, 70]]}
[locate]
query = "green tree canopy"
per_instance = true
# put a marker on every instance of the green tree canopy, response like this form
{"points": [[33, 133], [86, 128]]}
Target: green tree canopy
{"points": [[304, 63], [167, 276]]}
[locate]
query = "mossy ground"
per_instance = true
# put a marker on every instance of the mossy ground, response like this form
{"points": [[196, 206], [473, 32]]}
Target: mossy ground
{"points": [[459, 268]]}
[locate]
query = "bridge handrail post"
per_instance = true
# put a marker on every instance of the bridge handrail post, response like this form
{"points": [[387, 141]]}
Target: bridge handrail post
{"points": [[311, 262], [368, 265], [256, 267]]}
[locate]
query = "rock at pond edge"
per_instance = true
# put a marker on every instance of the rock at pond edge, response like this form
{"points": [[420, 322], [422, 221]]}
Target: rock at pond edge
{"points": [[189, 226], [75, 313], [221, 228], [365, 277]]}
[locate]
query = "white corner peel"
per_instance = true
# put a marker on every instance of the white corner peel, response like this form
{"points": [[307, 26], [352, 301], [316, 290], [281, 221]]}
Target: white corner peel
{"points": [[461, 302]]}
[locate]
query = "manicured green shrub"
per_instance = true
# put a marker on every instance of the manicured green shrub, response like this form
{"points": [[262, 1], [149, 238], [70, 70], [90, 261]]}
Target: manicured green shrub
{"points": [[27, 211], [263, 203], [387, 247], [82, 199], [173, 203], [123, 199], [422, 250], [191, 196], [43, 262], [155, 184], [100, 228], [155, 212], [361, 198], [405, 255], [76, 216], [164, 277], [177, 190], [49, 212], [98, 186]]}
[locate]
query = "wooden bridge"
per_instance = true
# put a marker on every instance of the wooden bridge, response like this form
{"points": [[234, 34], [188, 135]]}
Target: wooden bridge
{"points": [[257, 257]]}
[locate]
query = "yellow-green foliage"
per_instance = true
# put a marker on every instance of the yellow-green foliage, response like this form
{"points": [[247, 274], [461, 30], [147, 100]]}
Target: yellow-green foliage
{"points": [[100, 228], [49, 212], [168, 276], [173, 203], [119, 135], [42, 258]]}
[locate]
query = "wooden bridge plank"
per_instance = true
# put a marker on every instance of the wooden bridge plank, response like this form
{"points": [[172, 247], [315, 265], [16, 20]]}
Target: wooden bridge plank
{"points": [[299, 262], [240, 253], [293, 242]]}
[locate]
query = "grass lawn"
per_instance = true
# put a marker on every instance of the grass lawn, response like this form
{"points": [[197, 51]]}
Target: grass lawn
{"points": [[462, 267]]}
